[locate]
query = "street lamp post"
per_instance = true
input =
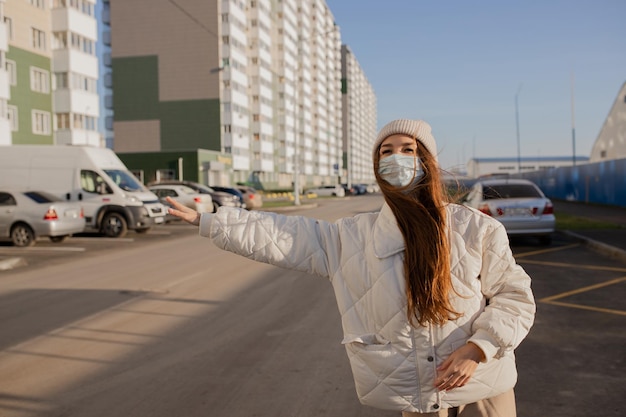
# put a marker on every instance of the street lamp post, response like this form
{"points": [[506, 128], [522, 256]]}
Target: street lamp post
{"points": [[519, 157], [296, 153], [573, 126]]}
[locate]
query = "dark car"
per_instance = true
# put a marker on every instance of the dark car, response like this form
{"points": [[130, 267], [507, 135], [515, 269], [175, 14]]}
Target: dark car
{"points": [[220, 198], [360, 188], [232, 191], [349, 190]]}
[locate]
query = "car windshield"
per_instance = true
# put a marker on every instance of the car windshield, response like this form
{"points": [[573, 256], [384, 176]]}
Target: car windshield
{"points": [[41, 197], [124, 179], [493, 192]]}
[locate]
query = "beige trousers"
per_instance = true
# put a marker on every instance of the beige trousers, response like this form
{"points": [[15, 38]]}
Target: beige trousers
{"points": [[502, 405]]}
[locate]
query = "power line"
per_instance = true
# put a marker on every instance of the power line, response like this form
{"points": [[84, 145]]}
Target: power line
{"points": [[189, 15]]}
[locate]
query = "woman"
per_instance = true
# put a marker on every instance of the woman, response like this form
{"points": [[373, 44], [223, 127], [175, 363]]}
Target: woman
{"points": [[432, 302]]}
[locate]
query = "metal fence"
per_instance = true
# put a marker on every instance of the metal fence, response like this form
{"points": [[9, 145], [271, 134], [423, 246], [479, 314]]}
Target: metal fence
{"points": [[600, 182]]}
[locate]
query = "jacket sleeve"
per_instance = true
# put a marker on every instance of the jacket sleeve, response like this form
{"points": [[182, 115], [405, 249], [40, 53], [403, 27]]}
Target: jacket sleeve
{"points": [[510, 312], [291, 242]]}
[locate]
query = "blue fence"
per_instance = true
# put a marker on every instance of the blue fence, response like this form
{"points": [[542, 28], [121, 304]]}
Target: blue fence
{"points": [[600, 182]]}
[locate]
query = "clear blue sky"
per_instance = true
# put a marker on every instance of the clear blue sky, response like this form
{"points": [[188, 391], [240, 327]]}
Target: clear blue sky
{"points": [[459, 64]]}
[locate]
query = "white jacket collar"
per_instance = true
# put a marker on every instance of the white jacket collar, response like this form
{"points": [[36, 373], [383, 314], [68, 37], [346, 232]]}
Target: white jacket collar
{"points": [[388, 239]]}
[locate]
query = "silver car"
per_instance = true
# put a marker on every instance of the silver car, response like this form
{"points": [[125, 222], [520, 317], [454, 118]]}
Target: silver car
{"points": [[26, 215], [185, 196], [518, 204], [328, 191]]}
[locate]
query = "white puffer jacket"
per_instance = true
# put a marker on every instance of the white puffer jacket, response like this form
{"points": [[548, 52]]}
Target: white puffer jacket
{"points": [[394, 364]]}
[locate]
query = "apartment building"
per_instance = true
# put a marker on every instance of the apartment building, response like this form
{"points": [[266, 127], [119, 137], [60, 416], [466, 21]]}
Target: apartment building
{"points": [[359, 120], [611, 141], [51, 67], [243, 91], [5, 90]]}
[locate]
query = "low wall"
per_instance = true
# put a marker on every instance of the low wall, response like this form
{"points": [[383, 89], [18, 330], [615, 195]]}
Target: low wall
{"points": [[600, 182]]}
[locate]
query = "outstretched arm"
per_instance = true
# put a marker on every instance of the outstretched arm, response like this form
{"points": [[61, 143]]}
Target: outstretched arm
{"points": [[183, 212]]}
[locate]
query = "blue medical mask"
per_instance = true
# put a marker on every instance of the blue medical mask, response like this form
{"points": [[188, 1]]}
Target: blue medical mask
{"points": [[400, 170]]}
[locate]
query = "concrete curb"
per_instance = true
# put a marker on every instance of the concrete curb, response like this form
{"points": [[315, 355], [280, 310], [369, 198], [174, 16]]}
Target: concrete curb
{"points": [[611, 251], [290, 208], [10, 263]]}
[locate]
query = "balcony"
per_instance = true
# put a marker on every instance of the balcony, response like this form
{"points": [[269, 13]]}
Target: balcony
{"points": [[68, 19]]}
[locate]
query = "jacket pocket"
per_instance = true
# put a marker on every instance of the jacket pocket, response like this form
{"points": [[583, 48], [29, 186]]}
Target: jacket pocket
{"points": [[371, 341]]}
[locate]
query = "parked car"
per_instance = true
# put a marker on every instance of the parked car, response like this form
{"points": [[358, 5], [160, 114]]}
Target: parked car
{"points": [[360, 188], [220, 198], [184, 195], [27, 215], [251, 197], [348, 190], [518, 204], [328, 190], [233, 191]]}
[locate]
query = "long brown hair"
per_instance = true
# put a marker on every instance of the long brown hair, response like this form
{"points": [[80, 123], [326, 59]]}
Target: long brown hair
{"points": [[420, 211]]}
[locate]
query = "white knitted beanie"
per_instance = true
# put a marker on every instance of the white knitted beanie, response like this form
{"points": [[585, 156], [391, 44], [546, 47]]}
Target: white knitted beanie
{"points": [[417, 129]]}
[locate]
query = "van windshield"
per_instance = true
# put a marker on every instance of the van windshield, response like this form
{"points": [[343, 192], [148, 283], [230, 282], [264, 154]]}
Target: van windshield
{"points": [[124, 179]]}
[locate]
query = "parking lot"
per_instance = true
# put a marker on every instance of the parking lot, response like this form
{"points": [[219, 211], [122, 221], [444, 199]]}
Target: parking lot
{"points": [[46, 252], [571, 364]]}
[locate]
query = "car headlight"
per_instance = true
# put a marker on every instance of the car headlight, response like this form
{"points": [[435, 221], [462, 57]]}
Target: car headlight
{"points": [[133, 200]]}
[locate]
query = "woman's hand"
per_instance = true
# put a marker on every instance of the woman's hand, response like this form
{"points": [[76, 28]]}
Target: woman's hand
{"points": [[459, 367], [183, 212]]}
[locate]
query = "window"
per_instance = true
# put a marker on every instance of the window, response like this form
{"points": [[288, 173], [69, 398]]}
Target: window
{"points": [[12, 116], [39, 80], [39, 39], [59, 40], [11, 68], [60, 80], [7, 199], [62, 121], [92, 182], [81, 82], [9, 24], [41, 122], [38, 3]]}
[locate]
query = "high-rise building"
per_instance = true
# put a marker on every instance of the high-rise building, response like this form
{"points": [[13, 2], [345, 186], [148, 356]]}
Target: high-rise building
{"points": [[51, 68], [241, 90], [359, 120], [5, 90]]}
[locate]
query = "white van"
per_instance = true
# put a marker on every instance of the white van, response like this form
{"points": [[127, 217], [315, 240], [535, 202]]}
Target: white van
{"points": [[113, 199]]}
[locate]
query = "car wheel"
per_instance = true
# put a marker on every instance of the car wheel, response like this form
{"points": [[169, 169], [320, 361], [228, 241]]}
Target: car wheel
{"points": [[22, 235], [545, 240], [114, 225], [58, 239]]}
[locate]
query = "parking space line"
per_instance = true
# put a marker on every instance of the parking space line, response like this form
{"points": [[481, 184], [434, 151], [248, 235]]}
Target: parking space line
{"points": [[102, 239], [583, 307], [552, 299], [577, 266], [539, 252], [43, 249], [584, 289]]}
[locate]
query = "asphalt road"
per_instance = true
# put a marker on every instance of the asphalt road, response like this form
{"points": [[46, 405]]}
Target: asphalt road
{"points": [[165, 324]]}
